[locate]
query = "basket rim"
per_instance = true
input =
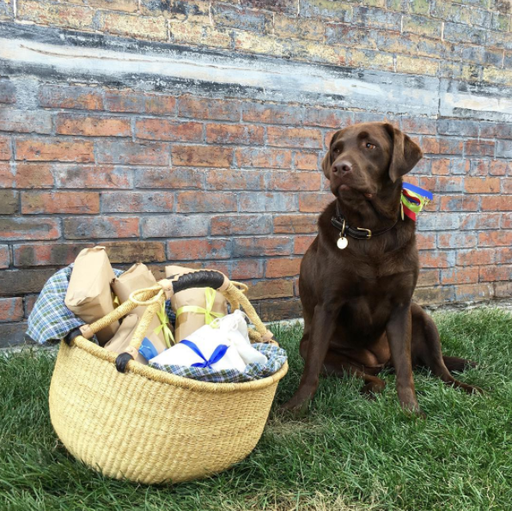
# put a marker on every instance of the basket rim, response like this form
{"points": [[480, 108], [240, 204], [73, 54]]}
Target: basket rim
{"points": [[177, 381]]}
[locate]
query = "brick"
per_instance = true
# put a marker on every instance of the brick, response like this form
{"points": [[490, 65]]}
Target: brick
{"points": [[268, 113], [440, 167], [106, 227], [8, 202], [25, 175], [75, 203], [89, 126], [260, 201], [7, 92], [459, 240], [200, 34], [263, 246], [478, 185], [495, 130], [133, 25], [195, 11], [480, 221], [306, 161], [475, 257], [132, 153], [50, 149], [500, 168], [113, 5], [504, 149], [20, 282], [298, 181], [235, 180], [135, 251], [503, 289], [419, 126], [13, 334], [5, 148], [495, 273], [60, 15], [198, 249], [276, 288], [421, 25], [139, 102], [175, 178], [36, 254], [240, 18], [265, 157], [29, 228], [163, 129], [277, 310], [205, 108], [91, 176], [369, 59], [503, 255], [495, 239], [506, 221], [247, 269], [459, 203], [501, 203], [479, 168], [282, 267], [296, 224], [339, 11], [203, 202], [426, 241], [25, 121], [459, 276], [294, 137], [137, 202], [474, 292], [228, 225], [434, 295], [479, 148], [327, 118], [457, 33], [302, 243], [439, 221], [436, 259], [314, 202], [5, 259], [11, 309], [428, 278], [234, 134], [281, 6], [287, 27], [201, 156], [73, 97], [175, 226], [458, 128], [441, 145]]}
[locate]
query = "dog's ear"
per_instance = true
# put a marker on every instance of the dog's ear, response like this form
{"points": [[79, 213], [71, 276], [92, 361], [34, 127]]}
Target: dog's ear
{"points": [[327, 161], [406, 153]]}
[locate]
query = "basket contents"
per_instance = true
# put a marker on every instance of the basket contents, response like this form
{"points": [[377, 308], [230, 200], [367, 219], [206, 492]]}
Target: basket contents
{"points": [[158, 333], [89, 295], [123, 337], [194, 307]]}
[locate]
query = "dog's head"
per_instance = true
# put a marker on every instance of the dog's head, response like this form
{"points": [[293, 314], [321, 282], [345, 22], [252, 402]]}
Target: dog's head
{"points": [[368, 158]]}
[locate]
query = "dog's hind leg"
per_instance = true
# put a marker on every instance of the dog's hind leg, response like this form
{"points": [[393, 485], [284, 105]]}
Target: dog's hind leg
{"points": [[456, 364], [426, 350]]}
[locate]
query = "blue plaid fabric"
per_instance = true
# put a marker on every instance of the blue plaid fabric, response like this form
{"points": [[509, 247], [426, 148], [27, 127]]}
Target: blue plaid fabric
{"points": [[276, 357], [50, 319]]}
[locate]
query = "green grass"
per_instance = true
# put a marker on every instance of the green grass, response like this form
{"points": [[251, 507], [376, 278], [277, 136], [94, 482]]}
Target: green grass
{"points": [[349, 453]]}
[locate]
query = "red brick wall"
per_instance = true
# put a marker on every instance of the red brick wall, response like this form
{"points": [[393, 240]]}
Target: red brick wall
{"points": [[233, 183]]}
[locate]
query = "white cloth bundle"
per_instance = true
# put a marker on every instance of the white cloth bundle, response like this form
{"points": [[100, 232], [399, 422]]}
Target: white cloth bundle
{"points": [[222, 345]]}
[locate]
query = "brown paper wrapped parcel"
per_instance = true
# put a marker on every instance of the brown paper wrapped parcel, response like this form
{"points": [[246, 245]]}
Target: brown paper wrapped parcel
{"points": [[89, 295], [194, 307], [139, 277], [123, 337]]}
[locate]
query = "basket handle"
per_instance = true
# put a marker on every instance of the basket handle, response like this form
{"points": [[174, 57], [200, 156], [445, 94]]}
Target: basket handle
{"points": [[154, 296]]}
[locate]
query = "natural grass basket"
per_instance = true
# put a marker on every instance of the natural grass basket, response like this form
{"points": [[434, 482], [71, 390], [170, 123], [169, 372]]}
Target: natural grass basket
{"points": [[130, 421]]}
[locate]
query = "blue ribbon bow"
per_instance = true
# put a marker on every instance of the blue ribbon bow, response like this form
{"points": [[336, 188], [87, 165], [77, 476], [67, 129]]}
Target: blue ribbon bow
{"points": [[219, 352]]}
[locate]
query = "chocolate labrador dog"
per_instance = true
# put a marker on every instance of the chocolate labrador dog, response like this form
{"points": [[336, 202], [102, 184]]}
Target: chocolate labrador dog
{"points": [[358, 277]]}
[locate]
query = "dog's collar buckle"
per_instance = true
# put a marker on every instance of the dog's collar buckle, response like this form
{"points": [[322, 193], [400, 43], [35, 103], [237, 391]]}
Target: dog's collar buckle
{"points": [[368, 232]]}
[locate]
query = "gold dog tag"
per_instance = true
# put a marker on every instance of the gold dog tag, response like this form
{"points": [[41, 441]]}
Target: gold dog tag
{"points": [[342, 242]]}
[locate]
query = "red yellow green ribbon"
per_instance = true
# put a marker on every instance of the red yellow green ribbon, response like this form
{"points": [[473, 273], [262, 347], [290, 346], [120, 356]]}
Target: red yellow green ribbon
{"points": [[413, 200]]}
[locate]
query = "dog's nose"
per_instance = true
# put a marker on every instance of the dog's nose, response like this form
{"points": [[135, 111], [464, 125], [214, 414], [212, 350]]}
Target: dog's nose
{"points": [[343, 166]]}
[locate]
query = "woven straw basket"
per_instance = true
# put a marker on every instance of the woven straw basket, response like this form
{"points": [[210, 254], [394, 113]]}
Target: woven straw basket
{"points": [[130, 421]]}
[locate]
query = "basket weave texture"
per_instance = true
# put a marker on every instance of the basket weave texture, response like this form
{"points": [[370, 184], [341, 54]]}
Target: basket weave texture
{"points": [[149, 426]]}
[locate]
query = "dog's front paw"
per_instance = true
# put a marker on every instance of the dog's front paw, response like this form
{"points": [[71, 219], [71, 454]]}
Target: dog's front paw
{"points": [[297, 405], [413, 410]]}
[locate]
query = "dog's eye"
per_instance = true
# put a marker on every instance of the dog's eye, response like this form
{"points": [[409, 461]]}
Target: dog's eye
{"points": [[370, 146]]}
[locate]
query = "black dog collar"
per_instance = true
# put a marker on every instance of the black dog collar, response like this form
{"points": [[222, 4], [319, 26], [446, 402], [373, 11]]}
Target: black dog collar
{"points": [[358, 233]]}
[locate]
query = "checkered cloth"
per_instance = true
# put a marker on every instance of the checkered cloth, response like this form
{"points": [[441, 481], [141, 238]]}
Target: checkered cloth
{"points": [[50, 319], [276, 357]]}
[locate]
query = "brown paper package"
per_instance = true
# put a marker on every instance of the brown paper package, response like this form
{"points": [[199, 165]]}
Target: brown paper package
{"points": [[123, 337], [138, 277], [89, 295], [189, 322]]}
